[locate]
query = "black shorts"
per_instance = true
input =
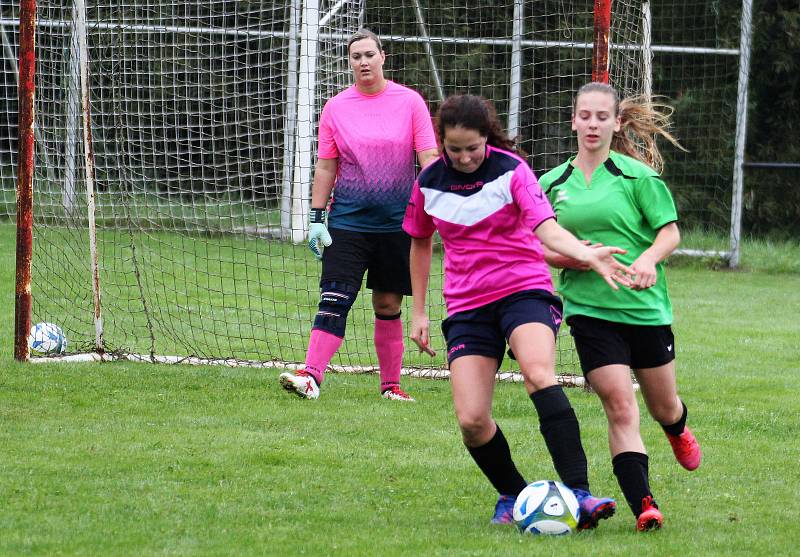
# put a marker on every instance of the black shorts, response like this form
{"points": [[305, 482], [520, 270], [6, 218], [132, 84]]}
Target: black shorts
{"points": [[484, 331], [602, 343], [384, 255]]}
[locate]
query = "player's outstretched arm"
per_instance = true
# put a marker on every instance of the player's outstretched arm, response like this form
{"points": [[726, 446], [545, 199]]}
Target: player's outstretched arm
{"points": [[420, 261], [600, 259], [555, 259]]}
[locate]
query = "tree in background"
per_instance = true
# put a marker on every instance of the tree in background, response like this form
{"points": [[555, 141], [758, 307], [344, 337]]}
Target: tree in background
{"points": [[772, 196]]}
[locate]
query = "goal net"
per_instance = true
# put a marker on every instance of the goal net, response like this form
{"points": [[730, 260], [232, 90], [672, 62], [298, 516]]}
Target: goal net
{"points": [[203, 129]]}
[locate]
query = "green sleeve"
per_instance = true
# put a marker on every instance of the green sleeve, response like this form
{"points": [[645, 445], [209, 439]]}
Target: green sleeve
{"points": [[656, 202]]}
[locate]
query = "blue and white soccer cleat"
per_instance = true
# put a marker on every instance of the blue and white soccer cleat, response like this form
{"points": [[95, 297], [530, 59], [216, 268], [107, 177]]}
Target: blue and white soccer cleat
{"points": [[593, 509]]}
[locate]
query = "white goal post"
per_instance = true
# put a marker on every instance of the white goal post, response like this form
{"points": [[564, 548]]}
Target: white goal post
{"points": [[168, 160]]}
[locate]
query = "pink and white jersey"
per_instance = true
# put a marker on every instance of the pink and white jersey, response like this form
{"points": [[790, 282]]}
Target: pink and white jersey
{"points": [[486, 221], [376, 138]]}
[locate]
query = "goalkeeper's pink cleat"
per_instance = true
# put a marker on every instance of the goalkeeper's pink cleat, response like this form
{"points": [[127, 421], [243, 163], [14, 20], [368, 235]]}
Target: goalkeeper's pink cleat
{"points": [[302, 384], [396, 393], [650, 518], [686, 448]]}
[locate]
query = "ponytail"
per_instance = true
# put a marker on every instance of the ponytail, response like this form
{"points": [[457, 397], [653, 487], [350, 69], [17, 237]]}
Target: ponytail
{"points": [[641, 120]]}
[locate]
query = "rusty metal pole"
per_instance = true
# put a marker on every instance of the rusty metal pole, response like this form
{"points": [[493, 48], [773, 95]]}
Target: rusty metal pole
{"points": [[27, 73], [602, 29]]}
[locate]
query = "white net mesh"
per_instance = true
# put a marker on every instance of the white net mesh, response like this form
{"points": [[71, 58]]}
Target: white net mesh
{"points": [[195, 112]]}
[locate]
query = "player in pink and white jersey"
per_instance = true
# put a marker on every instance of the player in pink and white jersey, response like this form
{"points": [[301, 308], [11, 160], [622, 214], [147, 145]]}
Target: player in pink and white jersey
{"points": [[493, 217], [370, 137]]}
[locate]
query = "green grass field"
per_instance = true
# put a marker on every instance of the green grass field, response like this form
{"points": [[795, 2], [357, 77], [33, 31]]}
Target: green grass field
{"points": [[136, 459]]}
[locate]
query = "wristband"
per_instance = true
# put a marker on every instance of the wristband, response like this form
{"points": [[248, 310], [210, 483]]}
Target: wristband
{"points": [[317, 216]]}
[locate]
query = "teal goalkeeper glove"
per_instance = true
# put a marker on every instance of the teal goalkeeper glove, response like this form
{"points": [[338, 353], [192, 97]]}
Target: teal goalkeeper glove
{"points": [[318, 232]]}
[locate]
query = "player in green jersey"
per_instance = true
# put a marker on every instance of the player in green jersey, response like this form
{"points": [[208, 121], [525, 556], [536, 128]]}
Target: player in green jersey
{"points": [[611, 194]]}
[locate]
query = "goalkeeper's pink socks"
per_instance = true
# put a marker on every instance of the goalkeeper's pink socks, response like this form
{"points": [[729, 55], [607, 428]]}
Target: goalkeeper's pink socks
{"points": [[321, 347], [389, 348]]}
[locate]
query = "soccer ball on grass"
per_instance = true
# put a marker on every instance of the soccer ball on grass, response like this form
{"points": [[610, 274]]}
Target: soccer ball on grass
{"points": [[546, 507], [47, 338]]}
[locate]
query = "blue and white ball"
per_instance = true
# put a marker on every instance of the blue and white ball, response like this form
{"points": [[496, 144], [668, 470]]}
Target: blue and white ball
{"points": [[546, 507], [47, 338]]}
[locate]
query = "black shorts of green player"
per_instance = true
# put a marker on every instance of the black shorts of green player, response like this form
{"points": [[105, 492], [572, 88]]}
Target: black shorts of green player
{"points": [[382, 255], [601, 343]]}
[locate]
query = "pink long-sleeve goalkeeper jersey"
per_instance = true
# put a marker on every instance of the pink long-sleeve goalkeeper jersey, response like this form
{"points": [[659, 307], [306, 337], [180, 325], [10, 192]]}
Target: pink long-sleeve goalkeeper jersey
{"points": [[486, 221], [376, 138]]}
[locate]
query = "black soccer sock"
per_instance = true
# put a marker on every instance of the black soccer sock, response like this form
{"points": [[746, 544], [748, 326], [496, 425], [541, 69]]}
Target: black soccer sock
{"points": [[494, 460], [631, 470], [678, 427], [562, 435]]}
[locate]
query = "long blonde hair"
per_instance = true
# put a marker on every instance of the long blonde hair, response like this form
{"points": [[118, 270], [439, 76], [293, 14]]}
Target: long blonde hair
{"points": [[641, 120]]}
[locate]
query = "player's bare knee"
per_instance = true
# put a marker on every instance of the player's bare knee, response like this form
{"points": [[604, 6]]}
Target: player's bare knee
{"points": [[538, 376], [474, 426], [621, 411]]}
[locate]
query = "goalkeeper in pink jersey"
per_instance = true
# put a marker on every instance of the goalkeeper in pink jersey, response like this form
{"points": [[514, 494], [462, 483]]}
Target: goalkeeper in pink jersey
{"points": [[610, 193], [370, 137], [493, 217]]}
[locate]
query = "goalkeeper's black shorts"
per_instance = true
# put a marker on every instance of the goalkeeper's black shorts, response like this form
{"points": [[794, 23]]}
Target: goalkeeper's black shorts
{"points": [[382, 255]]}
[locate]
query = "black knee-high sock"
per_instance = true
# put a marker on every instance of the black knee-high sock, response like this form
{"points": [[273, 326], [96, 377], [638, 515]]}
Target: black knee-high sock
{"points": [[562, 434], [678, 427], [494, 460], [631, 470]]}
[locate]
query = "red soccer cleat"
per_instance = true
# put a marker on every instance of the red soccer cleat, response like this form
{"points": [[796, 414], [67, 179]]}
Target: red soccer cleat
{"points": [[651, 518], [686, 448]]}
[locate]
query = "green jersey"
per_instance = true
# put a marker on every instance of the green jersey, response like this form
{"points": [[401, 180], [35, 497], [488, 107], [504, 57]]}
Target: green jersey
{"points": [[625, 205]]}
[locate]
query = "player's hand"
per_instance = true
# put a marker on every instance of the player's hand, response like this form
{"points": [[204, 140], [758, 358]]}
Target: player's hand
{"points": [[318, 234], [603, 263], [565, 262], [420, 326], [644, 273]]}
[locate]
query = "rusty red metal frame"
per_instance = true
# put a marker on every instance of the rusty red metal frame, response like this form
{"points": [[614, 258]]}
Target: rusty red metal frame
{"points": [[602, 29], [27, 87]]}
